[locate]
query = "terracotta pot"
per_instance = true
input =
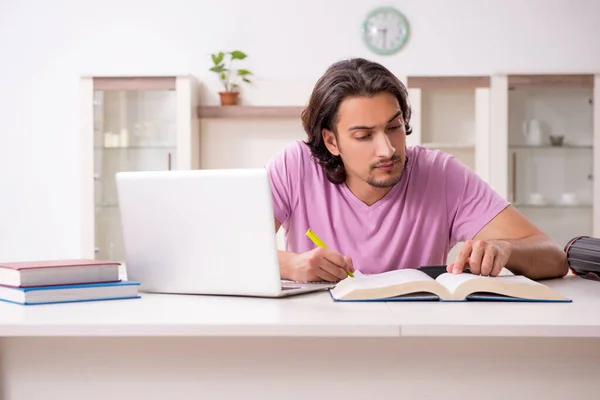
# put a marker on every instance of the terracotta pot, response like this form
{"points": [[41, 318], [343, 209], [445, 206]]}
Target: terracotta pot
{"points": [[229, 98]]}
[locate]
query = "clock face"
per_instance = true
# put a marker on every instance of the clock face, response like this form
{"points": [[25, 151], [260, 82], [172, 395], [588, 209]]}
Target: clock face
{"points": [[385, 30]]}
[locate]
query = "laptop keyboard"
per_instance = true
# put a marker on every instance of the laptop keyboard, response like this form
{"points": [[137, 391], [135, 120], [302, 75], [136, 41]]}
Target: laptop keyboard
{"points": [[287, 285]]}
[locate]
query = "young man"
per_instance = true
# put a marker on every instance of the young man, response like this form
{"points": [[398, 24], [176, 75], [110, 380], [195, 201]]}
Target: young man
{"points": [[379, 205]]}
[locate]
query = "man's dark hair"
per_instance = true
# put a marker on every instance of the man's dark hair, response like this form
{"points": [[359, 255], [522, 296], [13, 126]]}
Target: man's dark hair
{"points": [[353, 77]]}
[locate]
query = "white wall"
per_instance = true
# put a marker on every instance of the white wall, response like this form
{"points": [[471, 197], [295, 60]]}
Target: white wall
{"points": [[46, 45]]}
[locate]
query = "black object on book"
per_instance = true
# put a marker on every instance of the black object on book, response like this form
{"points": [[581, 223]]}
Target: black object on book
{"points": [[436, 270], [583, 257]]}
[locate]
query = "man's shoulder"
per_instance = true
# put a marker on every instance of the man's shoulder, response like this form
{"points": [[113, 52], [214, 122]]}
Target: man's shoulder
{"points": [[291, 170], [429, 161], [295, 156], [297, 148]]}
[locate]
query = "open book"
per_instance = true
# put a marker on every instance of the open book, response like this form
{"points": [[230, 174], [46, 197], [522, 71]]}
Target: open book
{"points": [[411, 284]]}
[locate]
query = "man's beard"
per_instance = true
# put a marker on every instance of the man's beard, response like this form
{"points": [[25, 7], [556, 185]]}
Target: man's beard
{"points": [[391, 181]]}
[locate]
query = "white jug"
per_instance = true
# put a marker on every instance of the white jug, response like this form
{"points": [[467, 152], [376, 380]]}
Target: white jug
{"points": [[532, 131]]}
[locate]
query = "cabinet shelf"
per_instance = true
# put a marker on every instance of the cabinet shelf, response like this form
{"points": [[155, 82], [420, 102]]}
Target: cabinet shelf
{"points": [[552, 205], [449, 145], [546, 147], [448, 82], [550, 80], [249, 111], [158, 147], [104, 205]]}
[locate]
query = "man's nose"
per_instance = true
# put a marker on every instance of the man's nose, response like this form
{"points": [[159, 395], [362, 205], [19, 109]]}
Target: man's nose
{"points": [[384, 146]]}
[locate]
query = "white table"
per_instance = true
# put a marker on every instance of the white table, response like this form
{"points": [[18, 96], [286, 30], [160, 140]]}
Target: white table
{"points": [[208, 347]]}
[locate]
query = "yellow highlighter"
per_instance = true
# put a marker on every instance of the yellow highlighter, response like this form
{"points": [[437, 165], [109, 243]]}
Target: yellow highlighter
{"points": [[317, 241]]}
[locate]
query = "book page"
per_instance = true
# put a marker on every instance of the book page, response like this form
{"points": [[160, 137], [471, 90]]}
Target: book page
{"points": [[389, 278], [452, 281], [522, 280]]}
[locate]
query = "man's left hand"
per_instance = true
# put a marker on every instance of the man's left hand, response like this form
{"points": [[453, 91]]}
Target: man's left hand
{"points": [[482, 257]]}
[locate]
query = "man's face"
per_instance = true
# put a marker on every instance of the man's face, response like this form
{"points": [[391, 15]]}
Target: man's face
{"points": [[371, 139]]}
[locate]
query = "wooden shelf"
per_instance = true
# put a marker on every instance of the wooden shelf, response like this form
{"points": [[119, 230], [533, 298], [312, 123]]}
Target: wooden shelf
{"points": [[249, 111], [448, 145], [553, 205], [568, 80], [135, 83], [448, 82], [549, 146]]}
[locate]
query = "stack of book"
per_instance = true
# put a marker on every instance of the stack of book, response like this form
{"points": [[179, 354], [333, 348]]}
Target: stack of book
{"points": [[63, 281]]}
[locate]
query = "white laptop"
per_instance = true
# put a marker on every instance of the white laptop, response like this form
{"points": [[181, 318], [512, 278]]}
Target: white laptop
{"points": [[202, 232]]}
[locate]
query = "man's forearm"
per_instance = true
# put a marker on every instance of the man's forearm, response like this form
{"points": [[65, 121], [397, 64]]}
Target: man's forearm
{"points": [[285, 269], [537, 257]]}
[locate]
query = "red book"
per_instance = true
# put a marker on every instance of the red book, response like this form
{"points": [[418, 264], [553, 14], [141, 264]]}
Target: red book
{"points": [[58, 272]]}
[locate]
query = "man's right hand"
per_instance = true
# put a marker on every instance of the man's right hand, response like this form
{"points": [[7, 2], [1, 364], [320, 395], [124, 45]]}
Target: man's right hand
{"points": [[320, 264]]}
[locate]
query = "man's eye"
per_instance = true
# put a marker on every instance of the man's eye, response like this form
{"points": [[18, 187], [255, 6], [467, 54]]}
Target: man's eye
{"points": [[365, 137], [395, 128]]}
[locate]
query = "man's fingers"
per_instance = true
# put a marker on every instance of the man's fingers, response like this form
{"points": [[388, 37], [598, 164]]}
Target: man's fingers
{"points": [[487, 264], [480, 257], [476, 257], [499, 263], [334, 269], [461, 258], [349, 263], [341, 261], [335, 258], [327, 276]]}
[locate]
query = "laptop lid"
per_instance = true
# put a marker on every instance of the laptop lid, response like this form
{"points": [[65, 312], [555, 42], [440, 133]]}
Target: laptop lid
{"points": [[199, 231]]}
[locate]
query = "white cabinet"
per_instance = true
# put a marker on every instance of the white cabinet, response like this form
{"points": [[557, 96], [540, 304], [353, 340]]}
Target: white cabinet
{"points": [[545, 131], [130, 124], [452, 114]]}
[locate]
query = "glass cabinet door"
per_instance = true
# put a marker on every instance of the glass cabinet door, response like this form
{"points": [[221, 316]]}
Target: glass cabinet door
{"points": [[134, 130], [551, 152]]}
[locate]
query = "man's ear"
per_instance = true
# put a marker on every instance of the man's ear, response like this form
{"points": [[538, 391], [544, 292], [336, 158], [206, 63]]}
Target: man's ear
{"points": [[331, 142]]}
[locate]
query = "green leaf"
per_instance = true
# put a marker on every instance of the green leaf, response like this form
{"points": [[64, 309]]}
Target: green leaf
{"points": [[243, 72], [217, 58], [218, 68], [246, 80], [223, 76], [238, 55]]}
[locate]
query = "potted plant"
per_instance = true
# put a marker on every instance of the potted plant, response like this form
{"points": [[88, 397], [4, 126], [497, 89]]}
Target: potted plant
{"points": [[229, 77]]}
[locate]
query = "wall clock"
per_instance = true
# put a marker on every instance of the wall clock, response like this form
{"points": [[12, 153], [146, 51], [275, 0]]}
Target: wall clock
{"points": [[385, 30]]}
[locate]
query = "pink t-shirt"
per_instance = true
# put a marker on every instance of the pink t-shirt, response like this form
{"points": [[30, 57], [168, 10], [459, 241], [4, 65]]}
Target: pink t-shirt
{"points": [[437, 203]]}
